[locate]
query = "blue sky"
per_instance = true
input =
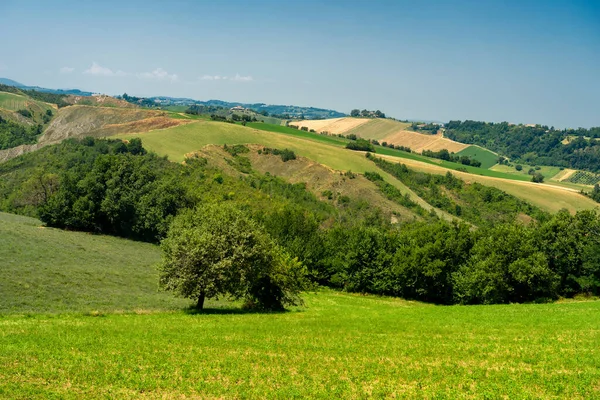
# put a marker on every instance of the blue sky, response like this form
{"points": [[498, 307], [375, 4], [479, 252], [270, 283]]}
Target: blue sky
{"points": [[519, 61]]}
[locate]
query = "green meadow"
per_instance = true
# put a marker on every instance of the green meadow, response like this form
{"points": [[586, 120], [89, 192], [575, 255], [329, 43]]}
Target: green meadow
{"points": [[337, 346], [486, 157]]}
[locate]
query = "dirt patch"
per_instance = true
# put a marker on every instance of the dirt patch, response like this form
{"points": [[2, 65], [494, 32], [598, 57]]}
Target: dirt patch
{"points": [[563, 175], [333, 125]]}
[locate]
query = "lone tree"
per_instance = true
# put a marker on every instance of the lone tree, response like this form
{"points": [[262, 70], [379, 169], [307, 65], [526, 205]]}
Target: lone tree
{"points": [[218, 251]]}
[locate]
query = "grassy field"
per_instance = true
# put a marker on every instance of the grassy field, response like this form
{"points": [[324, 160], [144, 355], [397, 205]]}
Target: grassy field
{"points": [[14, 102], [486, 157], [50, 270], [337, 346], [547, 171]]}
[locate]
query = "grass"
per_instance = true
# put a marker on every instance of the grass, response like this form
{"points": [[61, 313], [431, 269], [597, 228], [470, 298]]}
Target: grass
{"points": [[547, 171], [486, 157], [50, 270], [337, 346]]}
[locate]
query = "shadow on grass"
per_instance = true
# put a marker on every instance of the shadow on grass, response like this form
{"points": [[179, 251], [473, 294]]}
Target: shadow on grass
{"points": [[225, 311]]}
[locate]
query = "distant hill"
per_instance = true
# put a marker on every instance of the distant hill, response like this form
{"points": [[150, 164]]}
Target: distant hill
{"points": [[76, 92], [290, 111]]}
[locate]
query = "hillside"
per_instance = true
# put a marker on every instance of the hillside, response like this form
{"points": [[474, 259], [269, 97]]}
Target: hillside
{"points": [[80, 121], [382, 130], [178, 141], [51, 270]]}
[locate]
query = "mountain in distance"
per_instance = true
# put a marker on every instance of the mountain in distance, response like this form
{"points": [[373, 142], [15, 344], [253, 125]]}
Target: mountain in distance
{"points": [[75, 92]]}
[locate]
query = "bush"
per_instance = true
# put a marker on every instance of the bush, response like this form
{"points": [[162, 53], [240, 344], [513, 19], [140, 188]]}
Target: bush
{"points": [[519, 167]]}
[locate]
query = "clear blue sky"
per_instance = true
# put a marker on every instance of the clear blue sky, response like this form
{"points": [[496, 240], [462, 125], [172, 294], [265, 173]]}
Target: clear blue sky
{"points": [[520, 61]]}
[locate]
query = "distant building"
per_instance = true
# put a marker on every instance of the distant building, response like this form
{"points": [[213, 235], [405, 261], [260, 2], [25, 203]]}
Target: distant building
{"points": [[237, 108]]}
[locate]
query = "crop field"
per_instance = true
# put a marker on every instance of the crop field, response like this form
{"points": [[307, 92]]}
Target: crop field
{"points": [[486, 157], [419, 142], [378, 129], [584, 178], [333, 125]]}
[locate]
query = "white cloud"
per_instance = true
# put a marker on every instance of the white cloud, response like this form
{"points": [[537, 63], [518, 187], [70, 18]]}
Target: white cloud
{"points": [[240, 78], [66, 70], [159, 74], [236, 78], [98, 70]]}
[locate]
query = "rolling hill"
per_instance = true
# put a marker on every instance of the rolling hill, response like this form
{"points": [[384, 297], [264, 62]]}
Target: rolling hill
{"points": [[178, 141]]}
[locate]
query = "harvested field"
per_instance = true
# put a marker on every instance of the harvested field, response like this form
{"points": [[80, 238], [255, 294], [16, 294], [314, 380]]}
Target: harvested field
{"points": [[419, 142], [378, 129], [333, 125]]}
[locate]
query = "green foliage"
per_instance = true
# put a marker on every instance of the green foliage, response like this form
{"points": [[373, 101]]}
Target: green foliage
{"points": [[286, 154], [25, 113], [533, 144], [506, 266], [13, 134], [361, 145], [537, 177], [217, 250]]}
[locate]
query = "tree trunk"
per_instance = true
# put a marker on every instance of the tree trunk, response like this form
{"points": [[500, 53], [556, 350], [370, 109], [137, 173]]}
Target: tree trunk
{"points": [[200, 305]]}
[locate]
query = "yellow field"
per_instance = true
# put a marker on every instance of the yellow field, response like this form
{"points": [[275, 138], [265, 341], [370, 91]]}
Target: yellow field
{"points": [[418, 142], [332, 125], [378, 129]]}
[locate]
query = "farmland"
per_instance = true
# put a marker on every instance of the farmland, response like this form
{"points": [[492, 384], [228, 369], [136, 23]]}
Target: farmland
{"points": [[331, 126]]}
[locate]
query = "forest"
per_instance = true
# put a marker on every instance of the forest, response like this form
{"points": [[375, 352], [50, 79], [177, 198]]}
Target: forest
{"points": [[534, 145], [117, 188]]}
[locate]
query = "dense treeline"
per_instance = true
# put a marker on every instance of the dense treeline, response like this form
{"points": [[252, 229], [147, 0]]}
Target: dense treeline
{"points": [[13, 134], [475, 203], [117, 188], [532, 144]]}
